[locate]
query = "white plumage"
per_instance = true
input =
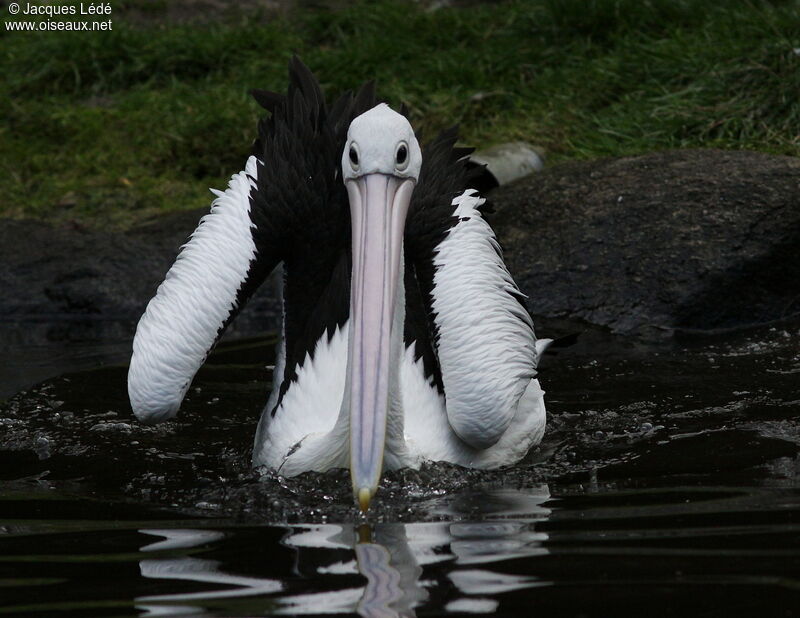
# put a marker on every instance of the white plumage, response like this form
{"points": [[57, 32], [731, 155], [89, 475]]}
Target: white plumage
{"points": [[486, 341], [193, 303]]}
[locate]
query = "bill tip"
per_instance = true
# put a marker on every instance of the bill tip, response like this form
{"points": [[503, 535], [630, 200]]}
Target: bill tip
{"points": [[364, 496]]}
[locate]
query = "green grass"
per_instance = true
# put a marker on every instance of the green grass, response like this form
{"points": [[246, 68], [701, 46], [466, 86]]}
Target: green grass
{"points": [[109, 128]]}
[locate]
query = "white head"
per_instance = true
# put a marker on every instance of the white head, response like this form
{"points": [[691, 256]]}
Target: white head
{"points": [[381, 141], [380, 168]]}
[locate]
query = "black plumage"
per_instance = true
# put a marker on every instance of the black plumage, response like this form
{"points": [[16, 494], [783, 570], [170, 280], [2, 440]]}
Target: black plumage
{"points": [[300, 214]]}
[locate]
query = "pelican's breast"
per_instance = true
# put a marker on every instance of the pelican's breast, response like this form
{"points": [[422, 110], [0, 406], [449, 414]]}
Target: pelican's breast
{"points": [[310, 406], [426, 429]]}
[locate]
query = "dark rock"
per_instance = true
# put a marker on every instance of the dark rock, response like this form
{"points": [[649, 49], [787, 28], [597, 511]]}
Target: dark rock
{"points": [[66, 272], [694, 239], [691, 239], [73, 273]]}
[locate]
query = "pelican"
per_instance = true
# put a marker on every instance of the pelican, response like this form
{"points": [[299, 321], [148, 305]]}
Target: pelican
{"points": [[404, 337]]}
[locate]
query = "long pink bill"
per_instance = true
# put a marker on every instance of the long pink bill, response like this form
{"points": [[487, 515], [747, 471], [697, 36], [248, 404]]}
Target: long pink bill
{"points": [[378, 207]]}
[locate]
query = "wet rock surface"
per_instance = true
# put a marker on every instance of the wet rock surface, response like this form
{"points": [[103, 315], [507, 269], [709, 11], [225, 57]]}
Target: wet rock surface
{"points": [[686, 240]]}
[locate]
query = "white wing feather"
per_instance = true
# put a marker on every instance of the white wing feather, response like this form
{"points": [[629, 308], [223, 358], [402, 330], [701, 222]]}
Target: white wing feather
{"points": [[184, 319], [486, 345]]}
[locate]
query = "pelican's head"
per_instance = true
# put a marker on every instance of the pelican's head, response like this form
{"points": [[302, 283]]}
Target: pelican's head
{"points": [[381, 141], [380, 166]]}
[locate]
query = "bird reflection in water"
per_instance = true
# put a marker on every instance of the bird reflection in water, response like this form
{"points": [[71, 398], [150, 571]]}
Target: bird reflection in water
{"points": [[401, 562], [385, 586]]}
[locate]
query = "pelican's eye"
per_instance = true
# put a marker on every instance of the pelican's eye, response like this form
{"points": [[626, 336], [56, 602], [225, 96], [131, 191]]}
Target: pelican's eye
{"points": [[353, 156], [401, 156]]}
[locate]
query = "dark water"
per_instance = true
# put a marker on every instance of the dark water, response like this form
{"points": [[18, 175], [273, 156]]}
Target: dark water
{"points": [[667, 484]]}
